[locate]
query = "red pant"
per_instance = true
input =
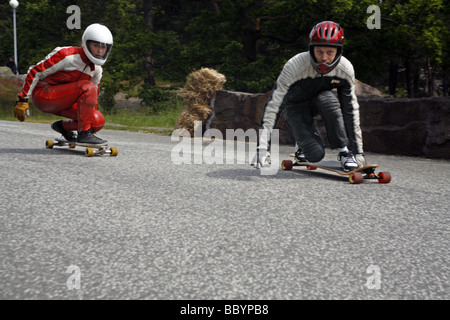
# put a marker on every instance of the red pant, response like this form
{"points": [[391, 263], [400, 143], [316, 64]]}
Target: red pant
{"points": [[75, 100]]}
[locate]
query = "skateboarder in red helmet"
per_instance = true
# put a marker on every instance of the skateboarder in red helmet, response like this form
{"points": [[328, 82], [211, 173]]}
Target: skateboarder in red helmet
{"points": [[66, 83], [304, 90]]}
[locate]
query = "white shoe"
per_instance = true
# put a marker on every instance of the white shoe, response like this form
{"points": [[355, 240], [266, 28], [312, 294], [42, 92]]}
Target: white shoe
{"points": [[348, 161]]}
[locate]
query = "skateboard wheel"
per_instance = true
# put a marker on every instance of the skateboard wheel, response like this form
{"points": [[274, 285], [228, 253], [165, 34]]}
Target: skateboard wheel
{"points": [[311, 168], [356, 178], [287, 165], [384, 177], [49, 144], [89, 152], [72, 146], [114, 152]]}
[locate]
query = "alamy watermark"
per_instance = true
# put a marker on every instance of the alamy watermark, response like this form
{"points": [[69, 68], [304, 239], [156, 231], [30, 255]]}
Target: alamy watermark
{"points": [[74, 280], [374, 21], [374, 280], [231, 150], [74, 21]]}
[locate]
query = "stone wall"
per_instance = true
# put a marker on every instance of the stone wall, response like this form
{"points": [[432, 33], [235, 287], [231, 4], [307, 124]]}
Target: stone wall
{"points": [[412, 127]]}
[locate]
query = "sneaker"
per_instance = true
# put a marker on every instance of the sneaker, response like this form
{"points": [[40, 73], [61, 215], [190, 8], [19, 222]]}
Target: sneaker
{"points": [[68, 135], [88, 137], [348, 161], [300, 156]]}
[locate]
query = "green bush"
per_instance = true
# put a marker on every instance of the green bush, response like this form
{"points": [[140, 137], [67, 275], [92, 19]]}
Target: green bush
{"points": [[155, 98], [106, 98]]}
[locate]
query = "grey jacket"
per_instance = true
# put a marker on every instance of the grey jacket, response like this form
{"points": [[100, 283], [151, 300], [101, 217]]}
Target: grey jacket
{"points": [[298, 83]]}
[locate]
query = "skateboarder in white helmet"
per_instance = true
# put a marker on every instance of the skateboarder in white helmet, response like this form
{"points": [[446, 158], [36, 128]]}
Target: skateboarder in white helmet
{"points": [[304, 90], [66, 83]]}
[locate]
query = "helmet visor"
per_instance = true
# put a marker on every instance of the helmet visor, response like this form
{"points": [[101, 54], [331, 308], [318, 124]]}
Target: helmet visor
{"points": [[98, 50]]}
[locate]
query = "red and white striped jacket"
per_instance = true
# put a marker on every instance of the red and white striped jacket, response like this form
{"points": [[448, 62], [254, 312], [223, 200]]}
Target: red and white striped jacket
{"points": [[63, 65]]}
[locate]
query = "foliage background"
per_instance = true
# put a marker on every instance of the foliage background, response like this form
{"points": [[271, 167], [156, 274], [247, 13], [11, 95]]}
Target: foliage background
{"points": [[249, 41]]}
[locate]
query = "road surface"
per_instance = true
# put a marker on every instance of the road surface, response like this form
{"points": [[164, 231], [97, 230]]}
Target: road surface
{"points": [[140, 226]]}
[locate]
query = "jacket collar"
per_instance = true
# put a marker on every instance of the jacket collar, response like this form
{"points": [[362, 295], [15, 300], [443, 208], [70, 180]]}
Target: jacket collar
{"points": [[86, 59]]}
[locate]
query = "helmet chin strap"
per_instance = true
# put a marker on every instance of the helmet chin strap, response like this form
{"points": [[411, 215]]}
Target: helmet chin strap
{"points": [[323, 67]]}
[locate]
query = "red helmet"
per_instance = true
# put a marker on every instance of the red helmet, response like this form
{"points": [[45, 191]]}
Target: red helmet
{"points": [[327, 34]]}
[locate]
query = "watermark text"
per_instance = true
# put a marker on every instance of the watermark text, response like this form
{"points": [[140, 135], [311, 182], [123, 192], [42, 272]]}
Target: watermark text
{"points": [[231, 150], [374, 21], [74, 21], [374, 281]]}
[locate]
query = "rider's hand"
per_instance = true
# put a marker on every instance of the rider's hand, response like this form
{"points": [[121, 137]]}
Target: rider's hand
{"points": [[21, 108], [262, 159]]}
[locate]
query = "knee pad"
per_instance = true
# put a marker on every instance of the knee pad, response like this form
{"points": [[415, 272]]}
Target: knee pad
{"points": [[98, 121], [313, 149], [314, 154], [327, 102]]}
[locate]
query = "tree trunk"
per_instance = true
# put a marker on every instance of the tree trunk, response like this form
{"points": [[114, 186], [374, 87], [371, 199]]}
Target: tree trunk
{"points": [[148, 66], [409, 76], [431, 71], [445, 84], [392, 78], [215, 6], [416, 84], [250, 35]]}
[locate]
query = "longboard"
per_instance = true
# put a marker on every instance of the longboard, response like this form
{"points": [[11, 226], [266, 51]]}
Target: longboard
{"points": [[90, 151], [354, 176]]}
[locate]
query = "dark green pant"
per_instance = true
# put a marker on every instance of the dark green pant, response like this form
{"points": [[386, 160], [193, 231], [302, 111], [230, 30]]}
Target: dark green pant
{"points": [[300, 118]]}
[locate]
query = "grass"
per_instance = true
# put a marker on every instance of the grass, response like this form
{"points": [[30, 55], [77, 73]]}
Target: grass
{"points": [[142, 119]]}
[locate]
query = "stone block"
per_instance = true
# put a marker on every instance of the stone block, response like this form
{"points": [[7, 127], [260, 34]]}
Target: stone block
{"points": [[413, 127]]}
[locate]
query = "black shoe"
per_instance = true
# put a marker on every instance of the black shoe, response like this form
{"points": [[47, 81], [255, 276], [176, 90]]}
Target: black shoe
{"points": [[299, 155], [88, 137], [68, 135]]}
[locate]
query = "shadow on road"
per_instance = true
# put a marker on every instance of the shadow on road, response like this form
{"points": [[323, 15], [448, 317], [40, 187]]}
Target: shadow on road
{"points": [[248, 174], [39, 151]]}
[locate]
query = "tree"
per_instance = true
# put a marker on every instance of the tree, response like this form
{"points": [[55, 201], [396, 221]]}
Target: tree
{"points": [[148, 19], [416, 33], [248, 40]]}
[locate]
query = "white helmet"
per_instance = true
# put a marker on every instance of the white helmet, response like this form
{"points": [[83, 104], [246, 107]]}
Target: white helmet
{"points": [[97, 33]]}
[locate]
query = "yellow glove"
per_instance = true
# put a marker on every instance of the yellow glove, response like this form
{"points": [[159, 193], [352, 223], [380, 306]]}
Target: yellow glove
{"points": [[20, 110]]}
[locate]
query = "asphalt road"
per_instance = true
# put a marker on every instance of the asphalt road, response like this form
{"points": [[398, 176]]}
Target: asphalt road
{"points": [[139, 226]]}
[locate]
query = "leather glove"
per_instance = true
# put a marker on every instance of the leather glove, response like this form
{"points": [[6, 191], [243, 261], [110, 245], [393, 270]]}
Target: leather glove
{"points": [[21, 109], [360, 160], [263, 159]]}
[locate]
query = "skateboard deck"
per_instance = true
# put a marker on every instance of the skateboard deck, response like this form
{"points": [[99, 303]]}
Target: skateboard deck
{"points": [[90, 151], [354, 176]]}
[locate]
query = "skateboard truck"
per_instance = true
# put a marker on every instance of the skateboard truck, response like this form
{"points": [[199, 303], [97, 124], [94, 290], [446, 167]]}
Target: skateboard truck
{"points": [[90, 151], [369, 173]]}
